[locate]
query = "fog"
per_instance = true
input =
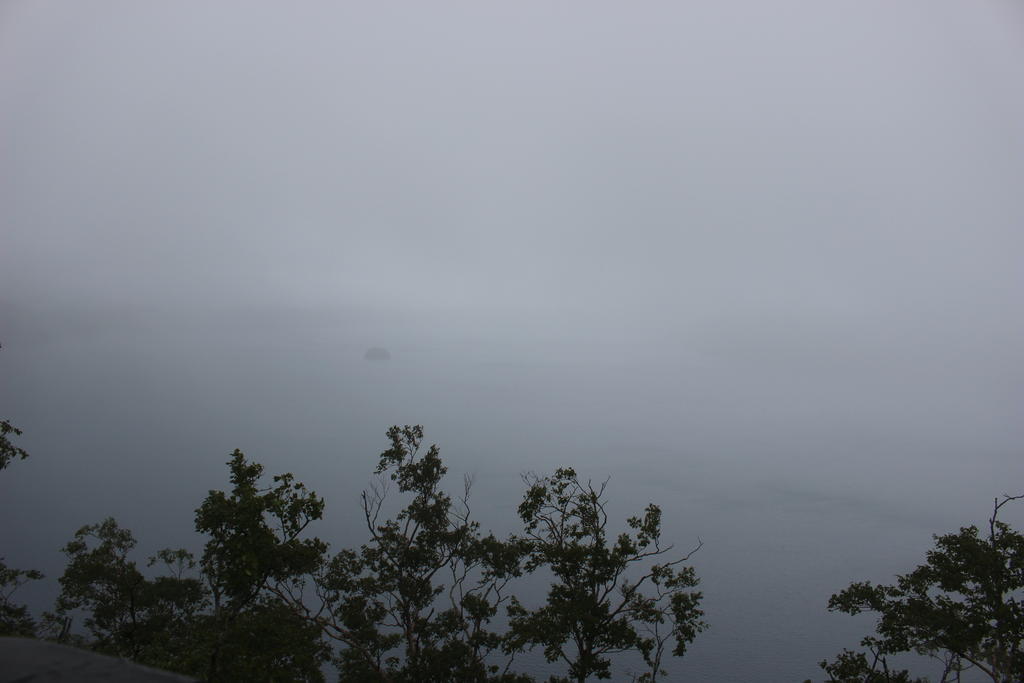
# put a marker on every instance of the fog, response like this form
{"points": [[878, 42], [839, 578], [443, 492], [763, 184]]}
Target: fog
{"points": [[759, 263]]}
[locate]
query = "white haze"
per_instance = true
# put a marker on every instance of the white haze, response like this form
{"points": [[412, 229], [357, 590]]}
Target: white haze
{"points": [[760, 262]]}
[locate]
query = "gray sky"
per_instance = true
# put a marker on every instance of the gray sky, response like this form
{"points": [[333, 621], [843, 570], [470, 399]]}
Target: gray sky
{"points": [[661, 164], [776, 247], [768, 183]]}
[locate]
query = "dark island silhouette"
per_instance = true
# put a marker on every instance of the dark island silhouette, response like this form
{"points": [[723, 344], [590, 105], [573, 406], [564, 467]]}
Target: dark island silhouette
{"points": [[377, 353]]}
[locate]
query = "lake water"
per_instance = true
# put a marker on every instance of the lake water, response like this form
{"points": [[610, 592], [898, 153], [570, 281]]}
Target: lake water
{"points": [[798, 475]]}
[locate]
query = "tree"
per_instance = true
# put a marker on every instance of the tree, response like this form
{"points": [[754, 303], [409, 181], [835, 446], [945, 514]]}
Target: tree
{"points": [[421, 601], [962, 606], [608, 596], [215, 619], [15, 619], [8, 451], [415, 603], [150, 621], [256, 541]]}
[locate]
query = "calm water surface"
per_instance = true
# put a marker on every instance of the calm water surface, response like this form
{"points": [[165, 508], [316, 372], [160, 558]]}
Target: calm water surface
{"points": [[795, 484]]}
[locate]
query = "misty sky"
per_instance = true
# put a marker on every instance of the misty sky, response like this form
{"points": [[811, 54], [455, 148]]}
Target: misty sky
{"points": [[779, 237], [663, 165]]}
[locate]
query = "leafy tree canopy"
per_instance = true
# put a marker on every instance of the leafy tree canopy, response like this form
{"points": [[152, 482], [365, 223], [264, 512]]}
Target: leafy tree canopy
{"points": [[215, 619], [610, 594], [15, 619], [962, 606], [8, 451], [416, 602], [426, 599]]}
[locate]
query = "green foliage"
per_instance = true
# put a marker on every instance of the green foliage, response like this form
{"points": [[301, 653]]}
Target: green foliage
{"points": [[423, 600], [963, 606], [255, 534], [8, 451], [222, 624], [856, 667], [609, 595], [15, 619], [255, 540], [265, 642], [128, 615], [417, 601]]}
